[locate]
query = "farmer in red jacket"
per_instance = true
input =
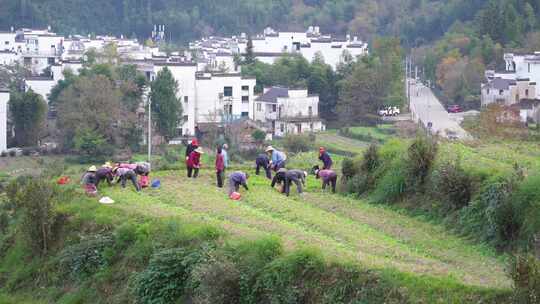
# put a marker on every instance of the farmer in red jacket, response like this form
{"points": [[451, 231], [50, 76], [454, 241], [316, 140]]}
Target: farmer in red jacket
{"points": [[194, 163], [220, 166]]}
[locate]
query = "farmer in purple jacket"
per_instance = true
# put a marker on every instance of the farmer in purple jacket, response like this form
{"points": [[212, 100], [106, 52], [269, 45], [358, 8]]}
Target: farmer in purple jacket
{"points": [[328, 177], [325, 158], [236, 179]]}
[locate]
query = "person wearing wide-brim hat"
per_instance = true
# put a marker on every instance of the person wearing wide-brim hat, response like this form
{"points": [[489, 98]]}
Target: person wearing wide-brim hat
{"points": [[278, 158], [89, 181], [194, 162]]}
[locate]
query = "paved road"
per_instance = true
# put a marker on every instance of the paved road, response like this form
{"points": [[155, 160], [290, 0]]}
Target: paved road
{"points": [[426, 108]]}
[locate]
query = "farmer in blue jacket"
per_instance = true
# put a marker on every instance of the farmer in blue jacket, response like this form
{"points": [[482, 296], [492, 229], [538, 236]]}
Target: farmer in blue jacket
{"points": [[278, 158]]}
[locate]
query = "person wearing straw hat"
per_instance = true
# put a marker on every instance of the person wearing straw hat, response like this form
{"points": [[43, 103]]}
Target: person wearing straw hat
{"points": [[89, 181], [278, 158], [105, 173], [194, 163]]}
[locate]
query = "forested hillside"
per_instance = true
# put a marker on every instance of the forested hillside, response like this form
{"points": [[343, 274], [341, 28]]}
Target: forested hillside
{"points": [[413, 20]]}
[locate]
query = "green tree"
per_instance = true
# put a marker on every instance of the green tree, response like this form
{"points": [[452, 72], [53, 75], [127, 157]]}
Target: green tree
{"points": [[249, 58], [28, 110], [94, 103], [165, 104]]}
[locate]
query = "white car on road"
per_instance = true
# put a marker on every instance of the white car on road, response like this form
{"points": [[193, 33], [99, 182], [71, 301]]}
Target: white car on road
{"points": [[389, 111]]}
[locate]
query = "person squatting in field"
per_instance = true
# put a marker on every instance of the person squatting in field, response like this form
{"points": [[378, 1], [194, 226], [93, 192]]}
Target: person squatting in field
{"points": [[287, 177], [262, 161], [89, 181], [329, 177], [278, 158], [237, 179]]}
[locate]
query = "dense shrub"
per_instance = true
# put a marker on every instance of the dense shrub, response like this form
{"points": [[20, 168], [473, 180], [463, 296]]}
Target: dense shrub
{"points": [[87, 257], [258, 136], [503, 221], [216, 281], [420, 158], [358, 184], [392, 184], [34, 203], [370, 160], [453, 184], [526, 201], [290, 279], [251, 258], [525, 272], [164, 279], [298, 143], [348, 168]]}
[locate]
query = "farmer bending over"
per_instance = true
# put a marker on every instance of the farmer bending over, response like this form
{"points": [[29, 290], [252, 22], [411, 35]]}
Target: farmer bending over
{"points": [[105, 173], [262, 161], [328, 177], [194, 163], [236, 179], [124, 174]]}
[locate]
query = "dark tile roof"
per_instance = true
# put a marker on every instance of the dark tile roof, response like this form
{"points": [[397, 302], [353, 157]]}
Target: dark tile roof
{"points": [[267, 54], [273, 94], [501, 83]]}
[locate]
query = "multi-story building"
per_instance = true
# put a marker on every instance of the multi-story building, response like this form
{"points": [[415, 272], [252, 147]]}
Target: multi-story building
{"points": [[288, 111], [524, 66], [507, 91], [207, 98]]}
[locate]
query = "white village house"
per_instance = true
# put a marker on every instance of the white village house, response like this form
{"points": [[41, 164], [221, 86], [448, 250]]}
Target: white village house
{"points": [[218, 52], [288, 111], [211, 88], [516, 87], [206, 97]]}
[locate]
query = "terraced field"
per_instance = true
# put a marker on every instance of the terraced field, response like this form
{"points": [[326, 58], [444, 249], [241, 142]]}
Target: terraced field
{"points": [[342, 228]]}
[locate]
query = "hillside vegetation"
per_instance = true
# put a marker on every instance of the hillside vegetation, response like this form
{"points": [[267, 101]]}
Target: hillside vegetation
{"points": [[427, 263], [410, 19]]}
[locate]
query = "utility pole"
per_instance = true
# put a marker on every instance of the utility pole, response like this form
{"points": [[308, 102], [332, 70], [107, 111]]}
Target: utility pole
{"points": [[149, 101]]}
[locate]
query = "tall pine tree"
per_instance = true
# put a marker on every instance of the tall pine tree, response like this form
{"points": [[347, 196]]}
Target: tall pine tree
{"points": [[166, 106]]}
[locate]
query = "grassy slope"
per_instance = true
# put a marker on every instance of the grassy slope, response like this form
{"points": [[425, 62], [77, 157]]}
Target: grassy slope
{"points": [[432, 264], [341, 227]]}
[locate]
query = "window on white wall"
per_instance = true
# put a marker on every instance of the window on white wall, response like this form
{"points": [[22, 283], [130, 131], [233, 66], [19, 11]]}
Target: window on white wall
{"points": [[228, 91], [259, 107], [245, 99], [186, 99]]}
